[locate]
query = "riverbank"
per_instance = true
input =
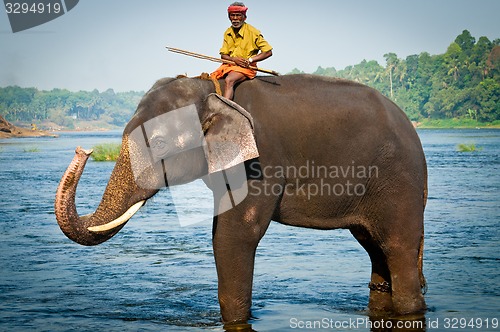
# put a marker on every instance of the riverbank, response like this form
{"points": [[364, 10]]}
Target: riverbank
{"points": [[455, 124], [8, 130]]}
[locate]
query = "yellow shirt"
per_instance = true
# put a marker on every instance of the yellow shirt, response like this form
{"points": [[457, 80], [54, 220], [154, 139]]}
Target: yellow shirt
{"points": [[245, 44]]}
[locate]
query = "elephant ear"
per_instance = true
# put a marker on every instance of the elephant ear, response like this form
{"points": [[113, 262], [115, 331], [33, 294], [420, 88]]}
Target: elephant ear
{"points": [[229, 135]]}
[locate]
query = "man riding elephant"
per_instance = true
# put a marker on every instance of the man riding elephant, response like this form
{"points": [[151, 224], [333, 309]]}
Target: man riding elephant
{"points": [[242, 44]]}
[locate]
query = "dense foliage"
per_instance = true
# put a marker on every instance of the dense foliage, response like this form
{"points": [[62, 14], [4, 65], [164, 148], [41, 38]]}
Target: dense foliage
{"points": [[63, 107], [462, 83]]}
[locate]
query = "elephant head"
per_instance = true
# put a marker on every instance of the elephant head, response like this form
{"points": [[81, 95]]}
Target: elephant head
{"points": [[180, 132]]}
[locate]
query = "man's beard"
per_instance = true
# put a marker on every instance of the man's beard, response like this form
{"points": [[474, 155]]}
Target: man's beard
{"points": [[237, 24]]}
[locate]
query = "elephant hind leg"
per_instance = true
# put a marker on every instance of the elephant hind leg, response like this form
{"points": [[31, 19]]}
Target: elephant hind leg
{"points": [[406, 280], [396, 279], [380, 302], [403, 247]]}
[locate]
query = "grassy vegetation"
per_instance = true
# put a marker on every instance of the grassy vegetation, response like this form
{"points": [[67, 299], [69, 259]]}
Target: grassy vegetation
{"points": [[457, 123], [468, 148], [106, 152], [32, 149]]}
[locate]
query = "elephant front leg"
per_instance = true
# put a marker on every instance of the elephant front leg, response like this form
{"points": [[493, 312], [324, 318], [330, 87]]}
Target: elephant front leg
{"points": [[235, 262], [235, 240]]}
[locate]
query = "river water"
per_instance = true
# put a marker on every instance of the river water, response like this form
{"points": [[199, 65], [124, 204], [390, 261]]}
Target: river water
{"points": [[156, 275]]}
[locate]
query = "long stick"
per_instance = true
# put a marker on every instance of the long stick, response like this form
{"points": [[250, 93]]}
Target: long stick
{"points": [[206, 57]]}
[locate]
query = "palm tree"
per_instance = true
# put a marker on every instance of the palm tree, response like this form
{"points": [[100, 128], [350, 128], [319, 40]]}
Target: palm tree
{"points": [[452, 60], [392, 62]]}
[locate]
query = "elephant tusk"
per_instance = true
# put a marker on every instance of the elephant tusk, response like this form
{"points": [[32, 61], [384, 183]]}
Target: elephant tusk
{"points": [[119, 221]]}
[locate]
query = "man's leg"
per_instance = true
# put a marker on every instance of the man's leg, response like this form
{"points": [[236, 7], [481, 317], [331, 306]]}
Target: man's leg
{"points": [[231, 80]]}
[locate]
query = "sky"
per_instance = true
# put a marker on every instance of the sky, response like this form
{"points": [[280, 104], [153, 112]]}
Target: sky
{"points": [[120, 44]]}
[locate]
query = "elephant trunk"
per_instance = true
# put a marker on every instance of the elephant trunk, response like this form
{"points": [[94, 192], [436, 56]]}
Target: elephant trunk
{"points": [[121, 200]]}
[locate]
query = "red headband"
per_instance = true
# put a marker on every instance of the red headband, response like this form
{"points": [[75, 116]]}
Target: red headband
{"points": [[237, 9]]}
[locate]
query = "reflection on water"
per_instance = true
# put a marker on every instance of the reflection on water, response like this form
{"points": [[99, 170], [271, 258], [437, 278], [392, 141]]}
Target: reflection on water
{"points": [[155, 275]]}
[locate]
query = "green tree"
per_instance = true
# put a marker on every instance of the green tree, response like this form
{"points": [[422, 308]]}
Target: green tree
{"points": [[452, 61], [488, 100], [296, 71], [466, 42], [392, 63], [480, 55]]}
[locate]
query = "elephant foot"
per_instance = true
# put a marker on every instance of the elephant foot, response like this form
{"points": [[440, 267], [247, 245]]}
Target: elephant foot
{"points": [[382, 308], [409, 306], [383, 303], [380, 300], [241, 327]]}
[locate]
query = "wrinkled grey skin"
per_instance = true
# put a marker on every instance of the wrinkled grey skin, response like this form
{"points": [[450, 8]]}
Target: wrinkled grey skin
{"points": [[297, 120]]}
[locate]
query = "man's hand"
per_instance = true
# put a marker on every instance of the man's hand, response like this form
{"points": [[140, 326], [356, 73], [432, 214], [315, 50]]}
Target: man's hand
{"points": [[239, 61], [242, 62]]}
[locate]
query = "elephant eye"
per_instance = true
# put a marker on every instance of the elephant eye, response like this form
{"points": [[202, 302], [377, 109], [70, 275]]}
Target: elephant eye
{"points": [[159, 146]]}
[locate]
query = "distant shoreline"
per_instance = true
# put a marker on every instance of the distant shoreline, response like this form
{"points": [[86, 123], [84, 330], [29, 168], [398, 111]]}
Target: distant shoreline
{"points": [[26, 133], [455, 124], [8, 130]]}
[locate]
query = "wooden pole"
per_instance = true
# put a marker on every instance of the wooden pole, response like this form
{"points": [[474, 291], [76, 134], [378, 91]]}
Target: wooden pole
{"points": [[210, 58]]}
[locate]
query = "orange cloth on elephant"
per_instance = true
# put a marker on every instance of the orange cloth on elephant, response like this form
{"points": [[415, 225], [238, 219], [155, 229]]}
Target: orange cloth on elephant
{"points": [[247, 42], [225, 69]]}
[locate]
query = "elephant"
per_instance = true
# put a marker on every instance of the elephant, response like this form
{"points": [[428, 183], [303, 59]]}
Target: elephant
{"points": [[316, 152]]}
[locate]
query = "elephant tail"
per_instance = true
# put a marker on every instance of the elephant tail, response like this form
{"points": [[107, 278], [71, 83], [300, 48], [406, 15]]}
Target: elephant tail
{"points": [[423, 282], [426, 189]]}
